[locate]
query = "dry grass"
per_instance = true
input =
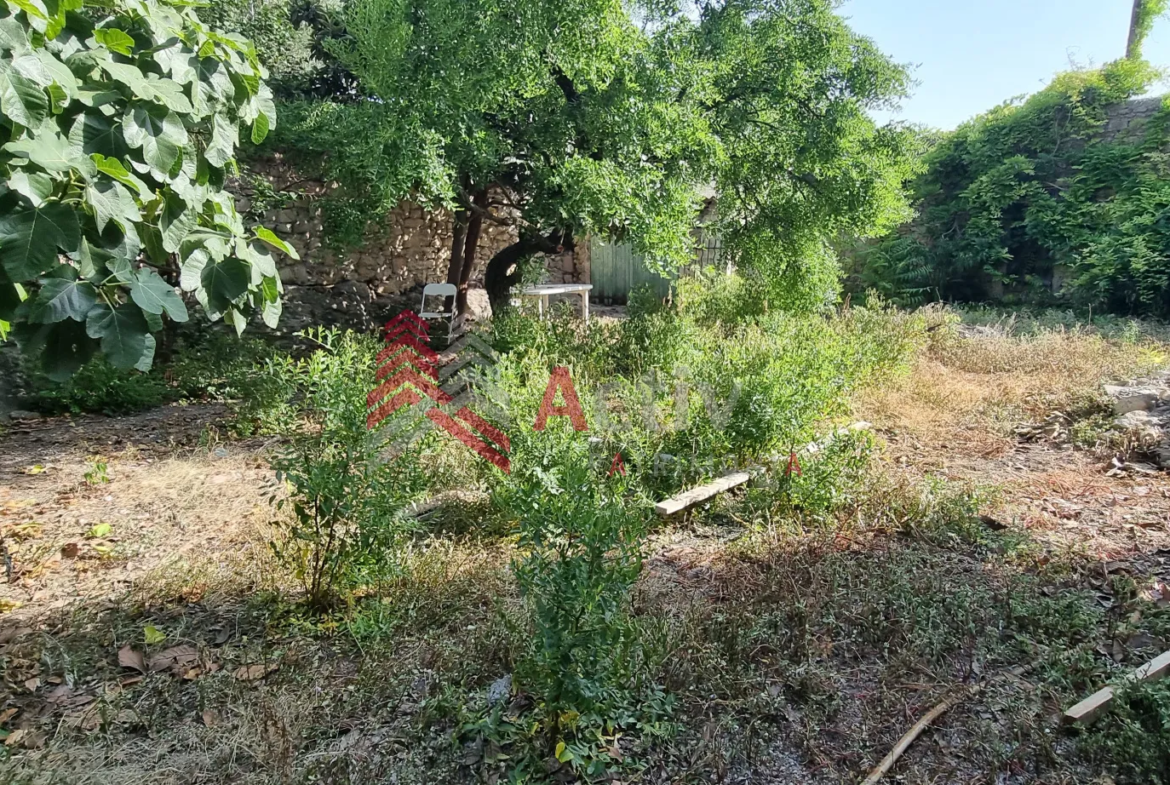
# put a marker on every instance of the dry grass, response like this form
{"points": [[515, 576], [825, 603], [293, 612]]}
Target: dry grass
{"points": [[968, 392], [959, 415]]}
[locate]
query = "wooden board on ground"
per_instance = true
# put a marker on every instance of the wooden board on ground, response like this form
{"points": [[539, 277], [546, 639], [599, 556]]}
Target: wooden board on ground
{"points": [[1091, 707], [701, 494]]}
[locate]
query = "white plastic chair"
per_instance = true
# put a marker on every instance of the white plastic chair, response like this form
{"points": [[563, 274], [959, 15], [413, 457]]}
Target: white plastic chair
{"points": [[444, 290]]}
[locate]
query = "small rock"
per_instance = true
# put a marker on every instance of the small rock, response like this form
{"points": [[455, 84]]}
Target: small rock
{"points": [[499, 690], [19, 415], [1135, 401], [220, 452], [1137, 420]]}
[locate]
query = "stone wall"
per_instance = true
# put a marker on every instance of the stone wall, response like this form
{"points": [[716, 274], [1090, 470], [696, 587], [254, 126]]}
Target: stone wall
{"points": [[1127, 121], [410, 247]]}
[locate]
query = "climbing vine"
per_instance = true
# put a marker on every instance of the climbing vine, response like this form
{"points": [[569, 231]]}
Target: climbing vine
{"points": [[1037, 188]]}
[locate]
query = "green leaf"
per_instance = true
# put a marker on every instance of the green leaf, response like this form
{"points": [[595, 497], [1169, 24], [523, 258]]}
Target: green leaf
{"points": [[169, 93], [176, 222], [34, 186], [34, 8], [93, 132], [152, 635], [20, 98], [178, 61], [261, 261], [224, 282], [123, 331], [260, 129], [160, 134], [236, 319], [112, 202], [271, 311], [13, 37], [122, 270], [190, 275], [147, 358], [29, 66], [268, 236], [58, 100], [51, 151], [115, 39], [114, 168], [154, 295], [29, 239], [224, 139], [60, 72], [60, 298], [212, 87]]}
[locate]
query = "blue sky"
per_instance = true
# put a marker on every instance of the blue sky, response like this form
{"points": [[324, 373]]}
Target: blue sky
{"points": [[974, 54]]}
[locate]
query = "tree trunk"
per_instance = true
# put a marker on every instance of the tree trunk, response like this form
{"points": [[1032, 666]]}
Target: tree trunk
{"points": [[474, 230], [1133, 48], [503, 271], [458, 246]]}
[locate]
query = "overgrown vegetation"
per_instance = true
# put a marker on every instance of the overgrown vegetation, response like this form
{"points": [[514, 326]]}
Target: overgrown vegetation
{"points": [[592, 123], [120, 123], [1037, 189], [211, 366]]}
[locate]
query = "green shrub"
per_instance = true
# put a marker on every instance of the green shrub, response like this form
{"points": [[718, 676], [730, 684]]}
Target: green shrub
{"points": [[580, 544], [1032, 185], [1133, 739], [347, 489], [211, 366], [97, 387]]}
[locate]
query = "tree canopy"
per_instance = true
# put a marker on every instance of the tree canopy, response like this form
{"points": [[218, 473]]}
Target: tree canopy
{"points": [[118, 124], [572, 117]]}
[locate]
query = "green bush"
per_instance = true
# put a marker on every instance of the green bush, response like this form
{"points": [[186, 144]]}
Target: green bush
{"points": [[689, 392], [213, 366], [580, 540], [347, 488]]}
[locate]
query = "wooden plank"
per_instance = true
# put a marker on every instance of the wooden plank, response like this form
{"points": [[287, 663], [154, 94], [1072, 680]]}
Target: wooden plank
{"points": [[1091, 707], [702, 493]]}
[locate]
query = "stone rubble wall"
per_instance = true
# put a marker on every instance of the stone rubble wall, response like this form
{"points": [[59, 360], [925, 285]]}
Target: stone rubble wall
{"points": [[1128, 121], [410, 247]]}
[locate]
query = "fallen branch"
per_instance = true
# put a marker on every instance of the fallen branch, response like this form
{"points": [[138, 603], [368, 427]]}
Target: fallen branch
{"points": [[912, 734], [939, 710]]}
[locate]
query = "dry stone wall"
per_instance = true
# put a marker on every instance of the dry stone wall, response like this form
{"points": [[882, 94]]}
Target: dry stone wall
{"points": [[1127, 122], [410, 247]]}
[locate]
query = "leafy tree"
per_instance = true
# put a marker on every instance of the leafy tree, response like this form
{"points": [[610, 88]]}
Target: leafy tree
{"points": [[118, 124], [563, 118], [290, 38]]}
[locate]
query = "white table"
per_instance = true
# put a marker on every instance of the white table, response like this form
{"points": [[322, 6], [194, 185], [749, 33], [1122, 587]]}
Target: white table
{"points": [[545, 290]]}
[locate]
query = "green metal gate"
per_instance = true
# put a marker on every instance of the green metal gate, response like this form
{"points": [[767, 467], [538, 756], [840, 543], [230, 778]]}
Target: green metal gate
{"points": [[615, 271]]}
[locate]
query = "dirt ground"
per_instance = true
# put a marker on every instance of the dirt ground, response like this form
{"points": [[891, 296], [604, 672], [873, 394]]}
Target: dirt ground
{"points": [[176, 523]]}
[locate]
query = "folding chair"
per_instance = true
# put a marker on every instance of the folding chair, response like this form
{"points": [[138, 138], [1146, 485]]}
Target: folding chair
{"points": [[446, 291]]}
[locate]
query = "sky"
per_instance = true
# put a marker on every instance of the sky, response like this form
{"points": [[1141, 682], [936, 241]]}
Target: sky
{"points": [[971, 55]]}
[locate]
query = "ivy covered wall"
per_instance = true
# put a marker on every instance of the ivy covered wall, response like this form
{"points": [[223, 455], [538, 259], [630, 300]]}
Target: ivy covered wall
{"points": [[1063, 198]]}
